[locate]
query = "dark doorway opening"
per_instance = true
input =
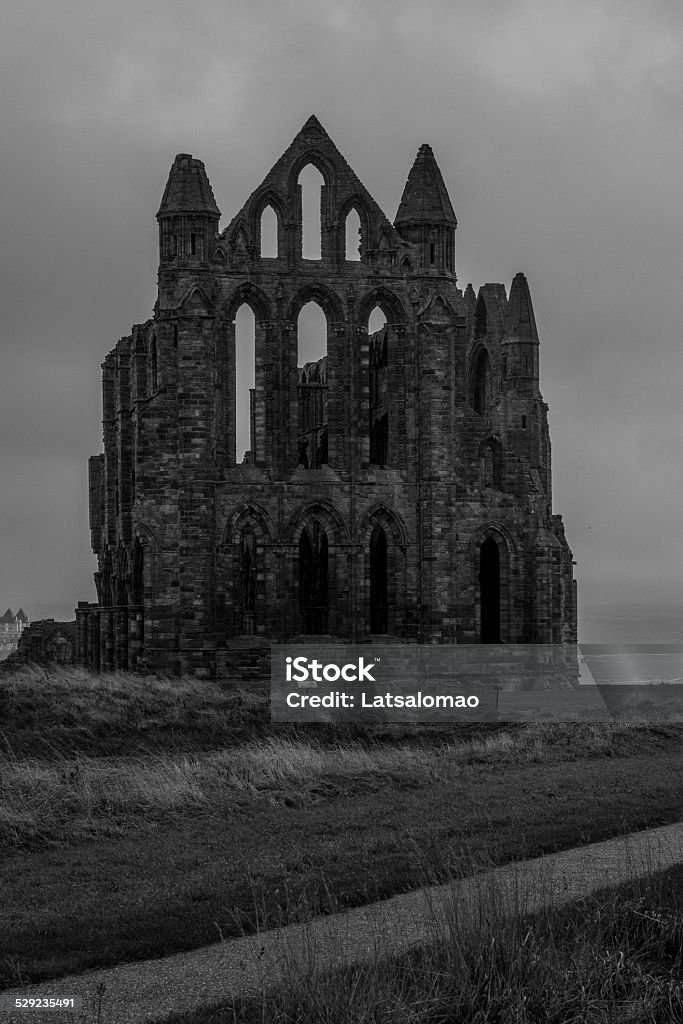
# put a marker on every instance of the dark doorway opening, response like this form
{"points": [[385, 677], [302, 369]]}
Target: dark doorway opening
{"points": [[313, 588], [378, 581], [489, 589]]}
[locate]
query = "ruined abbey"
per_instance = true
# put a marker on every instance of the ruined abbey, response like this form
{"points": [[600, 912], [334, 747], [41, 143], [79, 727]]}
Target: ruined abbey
{"points": [[399, 486]]}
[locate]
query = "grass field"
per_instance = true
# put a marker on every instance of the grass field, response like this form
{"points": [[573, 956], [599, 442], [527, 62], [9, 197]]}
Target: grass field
{"points": [[617, 957], [142, 817]]}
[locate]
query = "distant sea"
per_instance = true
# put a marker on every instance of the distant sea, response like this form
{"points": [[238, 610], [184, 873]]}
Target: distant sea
{"points": [[632, 623]]}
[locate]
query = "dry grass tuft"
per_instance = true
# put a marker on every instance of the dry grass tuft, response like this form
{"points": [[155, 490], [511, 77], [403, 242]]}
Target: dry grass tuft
{"points": [[615, 956], [81, 796]]}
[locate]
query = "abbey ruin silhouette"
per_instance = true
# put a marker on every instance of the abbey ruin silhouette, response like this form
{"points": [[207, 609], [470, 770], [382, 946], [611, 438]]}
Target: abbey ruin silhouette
{"points": [[399, 486]]}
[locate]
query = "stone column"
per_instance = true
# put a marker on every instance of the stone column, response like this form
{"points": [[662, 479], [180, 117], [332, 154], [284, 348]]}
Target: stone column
{"points": [[106, 640], [95, 637], [122, 638], [82, 633], [135, 629]]}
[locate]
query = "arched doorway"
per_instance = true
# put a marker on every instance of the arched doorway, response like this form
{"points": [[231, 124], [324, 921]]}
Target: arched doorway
{"points": [[313, 580], [489, 591], [378, 581]]}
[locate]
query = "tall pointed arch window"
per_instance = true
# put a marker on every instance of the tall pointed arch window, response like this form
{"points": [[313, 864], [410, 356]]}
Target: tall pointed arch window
{"points": [[245, 363], [489, 591], [481, 382], [379, 442], [480, 318], [353, 236], [491, 456], [313, 579], [248, 582], [378, 581], [311, 182], [379, 388], [269, 226], [138, 574], [312, 371]]}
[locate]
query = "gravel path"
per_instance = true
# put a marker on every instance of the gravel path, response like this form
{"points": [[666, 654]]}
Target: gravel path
{"points": [[148, 991]]}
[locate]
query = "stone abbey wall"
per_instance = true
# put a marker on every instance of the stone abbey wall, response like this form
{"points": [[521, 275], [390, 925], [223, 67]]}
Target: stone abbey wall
{"points": [[45, 642], [398, 487]]}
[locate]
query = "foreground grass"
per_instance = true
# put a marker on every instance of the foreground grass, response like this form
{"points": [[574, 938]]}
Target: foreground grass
{"points": [[53, 712], [616, 957], [143, 817], [67, 798], [58, 710], [326, 838]]}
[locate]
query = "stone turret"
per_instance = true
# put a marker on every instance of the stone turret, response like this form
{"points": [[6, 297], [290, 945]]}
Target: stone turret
{"points": [[520, 329], [425, 214], [188, 216]]}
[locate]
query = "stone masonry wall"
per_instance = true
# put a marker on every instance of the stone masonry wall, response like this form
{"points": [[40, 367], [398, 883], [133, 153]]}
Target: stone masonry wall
{"points": [[451, 539]]}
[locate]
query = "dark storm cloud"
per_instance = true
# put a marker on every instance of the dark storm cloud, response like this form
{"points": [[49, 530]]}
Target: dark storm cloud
{"points": [[557, 129]]}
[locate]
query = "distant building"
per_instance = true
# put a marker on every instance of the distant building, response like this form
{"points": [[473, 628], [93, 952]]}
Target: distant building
{"points": [[399, 486], [11, 628]]}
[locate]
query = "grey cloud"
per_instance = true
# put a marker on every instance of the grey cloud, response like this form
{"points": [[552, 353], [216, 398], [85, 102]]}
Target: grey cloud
{"points": [[557, 129]]}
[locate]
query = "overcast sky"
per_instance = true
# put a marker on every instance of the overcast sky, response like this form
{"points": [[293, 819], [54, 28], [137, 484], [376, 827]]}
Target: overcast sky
{"points": [[558, 127]]}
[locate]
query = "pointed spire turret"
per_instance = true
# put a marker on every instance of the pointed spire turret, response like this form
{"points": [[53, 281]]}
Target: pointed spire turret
{"points": [[521, 334], [425, 214], [188, 189], [188, 216], [520, 321], [425, 198]]}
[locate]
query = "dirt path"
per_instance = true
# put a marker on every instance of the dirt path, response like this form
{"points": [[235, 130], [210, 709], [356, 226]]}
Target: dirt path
{"points": [[148, 991]]}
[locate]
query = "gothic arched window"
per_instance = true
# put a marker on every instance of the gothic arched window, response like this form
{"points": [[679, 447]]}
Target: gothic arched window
{"points": [[313, 579], [379, 442], [248, 582], [489, 591], [491, 455], [378, 581], [380, 397], [310, 183], [312, 370], [352, 233], [269, 226], [481, 382], [245, 370], [137, 575]]}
